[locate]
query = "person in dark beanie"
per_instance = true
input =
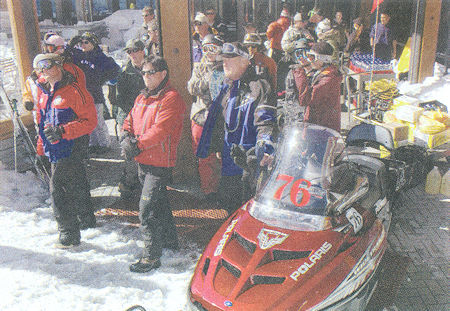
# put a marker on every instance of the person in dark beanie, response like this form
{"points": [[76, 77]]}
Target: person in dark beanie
{"points": [[66, 116], [315, 84], [98, 69], [152, 132]]}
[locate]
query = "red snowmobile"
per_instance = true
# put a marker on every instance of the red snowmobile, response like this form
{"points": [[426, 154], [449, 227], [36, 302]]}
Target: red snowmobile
{"points": [[314, 234]]}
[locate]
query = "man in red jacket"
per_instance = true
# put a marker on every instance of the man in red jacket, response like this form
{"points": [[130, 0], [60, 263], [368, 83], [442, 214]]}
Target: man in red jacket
{"points": [[315, 83], [66, 116], [152, 132]]}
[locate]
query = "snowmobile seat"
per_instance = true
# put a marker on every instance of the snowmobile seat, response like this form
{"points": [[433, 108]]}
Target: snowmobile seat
{"points": [[375, 170], [370, 135]]}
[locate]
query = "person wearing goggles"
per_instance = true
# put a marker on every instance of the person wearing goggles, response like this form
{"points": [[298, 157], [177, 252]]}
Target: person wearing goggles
{"points": [[246, 109], [313, 88], [205, 83], [151, 133], [264, 65], [66, 116]]}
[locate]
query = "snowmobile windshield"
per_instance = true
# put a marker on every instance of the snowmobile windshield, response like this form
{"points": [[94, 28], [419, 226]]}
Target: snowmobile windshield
{"points": [[295, 195]]}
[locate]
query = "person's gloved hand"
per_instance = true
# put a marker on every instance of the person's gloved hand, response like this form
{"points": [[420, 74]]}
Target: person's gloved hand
{"points": [[29, 105], [53, 133], [74, 41], [128, 144], [239, 156]]}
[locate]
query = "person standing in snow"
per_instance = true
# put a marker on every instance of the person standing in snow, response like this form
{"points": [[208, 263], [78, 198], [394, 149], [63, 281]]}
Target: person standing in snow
{"points": [[98, 69], [130, 83], [274, 34], [152, 132], [382, 38], [201, 30], [66, 116]]}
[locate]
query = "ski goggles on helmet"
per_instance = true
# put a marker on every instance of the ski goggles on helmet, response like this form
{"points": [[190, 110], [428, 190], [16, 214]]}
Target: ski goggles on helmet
{"points": [[230, 50], [45, 64], [211, 48], [313, 56], [51, 48]]}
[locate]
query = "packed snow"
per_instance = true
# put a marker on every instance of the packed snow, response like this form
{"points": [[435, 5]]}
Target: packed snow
{"points": [[95, 275]]}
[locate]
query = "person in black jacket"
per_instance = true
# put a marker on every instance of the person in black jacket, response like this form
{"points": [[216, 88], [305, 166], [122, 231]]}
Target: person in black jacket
{"points": [[129, 85]]}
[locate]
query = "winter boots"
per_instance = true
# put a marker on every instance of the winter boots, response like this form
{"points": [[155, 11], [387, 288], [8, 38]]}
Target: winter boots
{"points": [[68, 239], [145, 264]]}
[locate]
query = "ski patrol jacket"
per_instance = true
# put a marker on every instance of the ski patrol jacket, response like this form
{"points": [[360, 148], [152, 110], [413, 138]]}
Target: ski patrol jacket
{"points": [[319, 93], [97, 67], [247, 108], [156, 121], [68, 105]]}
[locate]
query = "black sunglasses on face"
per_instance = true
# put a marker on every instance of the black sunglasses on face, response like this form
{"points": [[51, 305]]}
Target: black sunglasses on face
{"points": [[129, 51], [148, 72], [85, 42], [148, 14]]}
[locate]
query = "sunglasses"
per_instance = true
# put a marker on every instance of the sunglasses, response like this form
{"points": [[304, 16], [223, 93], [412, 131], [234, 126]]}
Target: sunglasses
{"points": [[229, 48], [45, 64], [135, 50], [210, 13], [211, 48], [85, 42], [197, 23], [148, 14], [148, 72]]}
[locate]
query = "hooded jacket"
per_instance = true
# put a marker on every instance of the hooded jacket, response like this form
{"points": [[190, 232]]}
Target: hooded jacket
{"points": [[156, 121]]}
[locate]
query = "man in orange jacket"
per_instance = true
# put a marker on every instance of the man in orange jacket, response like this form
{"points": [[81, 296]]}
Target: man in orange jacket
{"points": [[66, 116], [152, 132]]}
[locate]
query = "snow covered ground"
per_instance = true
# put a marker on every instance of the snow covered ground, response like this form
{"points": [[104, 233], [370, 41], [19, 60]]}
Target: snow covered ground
{"points": [[93, 276]]}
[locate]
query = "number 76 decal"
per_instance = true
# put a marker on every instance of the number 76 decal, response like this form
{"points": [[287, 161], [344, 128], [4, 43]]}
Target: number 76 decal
{"points": [[295, 189]]}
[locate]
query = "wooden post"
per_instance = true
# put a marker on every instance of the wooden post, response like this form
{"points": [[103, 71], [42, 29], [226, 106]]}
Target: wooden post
{"points": [[429, 38], [26, 35], [176, 43]]}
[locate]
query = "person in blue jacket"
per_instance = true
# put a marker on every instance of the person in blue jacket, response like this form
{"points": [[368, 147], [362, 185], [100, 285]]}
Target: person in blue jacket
{"points": [[246, 110], [98, 69]]}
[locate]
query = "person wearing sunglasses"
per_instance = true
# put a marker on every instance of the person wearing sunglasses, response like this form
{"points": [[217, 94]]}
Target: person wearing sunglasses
{"points": [[313, 88], [205, 82], [201, 30], [152, 131], [98, 69], [66, 116], [149, 17], [130, 83], [264, 65], [246, 110], [214, 21]]}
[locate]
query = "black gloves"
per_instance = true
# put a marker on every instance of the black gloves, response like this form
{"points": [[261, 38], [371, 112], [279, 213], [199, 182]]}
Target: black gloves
{"points": [[128, 144], [53, 133], [74, 41], [28, 105], [244, 159]]}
